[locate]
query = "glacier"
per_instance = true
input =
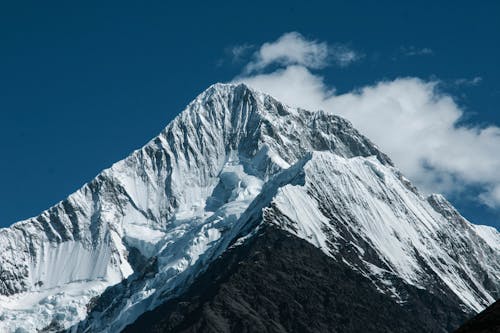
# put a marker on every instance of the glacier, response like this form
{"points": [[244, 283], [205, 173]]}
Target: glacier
{"points": [[235, 159]]}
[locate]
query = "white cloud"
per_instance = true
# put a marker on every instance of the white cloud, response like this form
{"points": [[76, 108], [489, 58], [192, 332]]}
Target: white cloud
{"points": [[293, 49], [410, 120]]}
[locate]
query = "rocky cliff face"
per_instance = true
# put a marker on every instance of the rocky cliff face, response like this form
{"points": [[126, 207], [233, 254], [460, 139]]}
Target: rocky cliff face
{"points": [[234, 161]]}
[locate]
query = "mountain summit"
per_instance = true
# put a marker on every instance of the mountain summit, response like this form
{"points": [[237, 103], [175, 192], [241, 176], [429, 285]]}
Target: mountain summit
{"points": [[183, 221]]}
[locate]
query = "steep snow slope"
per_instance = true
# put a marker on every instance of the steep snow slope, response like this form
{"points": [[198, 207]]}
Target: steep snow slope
{"points": [[362, 205], [233, 159]]}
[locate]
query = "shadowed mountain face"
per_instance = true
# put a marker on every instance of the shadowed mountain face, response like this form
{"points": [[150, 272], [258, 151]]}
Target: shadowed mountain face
{"points": [[277, 282], [487, 321]]}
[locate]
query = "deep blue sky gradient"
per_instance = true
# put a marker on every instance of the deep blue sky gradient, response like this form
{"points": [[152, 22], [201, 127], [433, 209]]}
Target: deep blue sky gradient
{"points": [[82, 84]]}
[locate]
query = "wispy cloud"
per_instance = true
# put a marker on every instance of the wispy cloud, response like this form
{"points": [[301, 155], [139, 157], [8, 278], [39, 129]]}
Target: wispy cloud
{"points": [[411, 119], [239, 52], [468, 82], [343, 55], [411, 51]]}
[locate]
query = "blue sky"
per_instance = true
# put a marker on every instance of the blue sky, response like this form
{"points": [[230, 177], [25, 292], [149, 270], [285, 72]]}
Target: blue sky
{"points": [[84, 84]]}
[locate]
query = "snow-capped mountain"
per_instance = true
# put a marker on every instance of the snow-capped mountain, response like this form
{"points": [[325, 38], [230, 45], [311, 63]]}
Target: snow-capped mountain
{"points": [[233, 162]]}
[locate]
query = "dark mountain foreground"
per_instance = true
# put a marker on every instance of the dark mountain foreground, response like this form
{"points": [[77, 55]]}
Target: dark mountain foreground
{"points": [[277, 282], [487, 321]]}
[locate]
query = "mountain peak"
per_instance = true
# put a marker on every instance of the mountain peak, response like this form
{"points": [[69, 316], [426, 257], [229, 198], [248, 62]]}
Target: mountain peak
{"points": [[233, 160]]}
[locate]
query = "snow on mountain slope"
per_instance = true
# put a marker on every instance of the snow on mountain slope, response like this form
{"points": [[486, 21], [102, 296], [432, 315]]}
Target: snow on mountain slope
{"points": [[198, 175], [232, 159], [361, 204]]}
